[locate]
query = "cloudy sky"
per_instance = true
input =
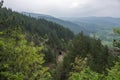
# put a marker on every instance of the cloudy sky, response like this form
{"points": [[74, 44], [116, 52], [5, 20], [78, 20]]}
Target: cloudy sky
{"points": [[67, 8]]}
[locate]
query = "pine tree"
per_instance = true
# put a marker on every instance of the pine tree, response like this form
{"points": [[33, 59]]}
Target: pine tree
{"points": [[19, 59]]}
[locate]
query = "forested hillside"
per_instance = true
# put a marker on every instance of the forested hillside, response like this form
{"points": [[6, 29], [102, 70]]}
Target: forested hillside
{"points": [[72, 26], [37, 49], [20, 36], [101, 27]]}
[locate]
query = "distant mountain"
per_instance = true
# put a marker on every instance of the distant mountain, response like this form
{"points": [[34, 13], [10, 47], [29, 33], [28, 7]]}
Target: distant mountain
{"points": [[68, 24], [37, 31], [101, 27], [94, 24]]}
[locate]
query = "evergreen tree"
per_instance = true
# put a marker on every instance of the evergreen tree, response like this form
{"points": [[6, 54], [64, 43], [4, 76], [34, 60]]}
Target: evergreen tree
{"points": [[114, 72], [97, 55], [86, 74], [19, 59]]}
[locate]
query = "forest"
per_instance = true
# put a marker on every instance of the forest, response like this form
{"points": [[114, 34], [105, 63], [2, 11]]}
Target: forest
{"points": [[37, 49]]}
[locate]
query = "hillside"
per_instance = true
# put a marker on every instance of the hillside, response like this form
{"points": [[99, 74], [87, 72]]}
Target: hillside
{"points": [[101, 27], [32, 25], [72, 26], [95, 23], [39, 31], [93, 26], [38, 49], [42, 47]]}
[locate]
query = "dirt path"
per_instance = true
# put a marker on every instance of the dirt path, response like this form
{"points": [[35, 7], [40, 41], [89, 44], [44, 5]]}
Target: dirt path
{"points": [[59, 67]]}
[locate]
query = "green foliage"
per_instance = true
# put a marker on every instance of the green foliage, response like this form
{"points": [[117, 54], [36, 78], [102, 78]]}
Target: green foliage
{"points": [[116, 30], [39, 31], [97, 55], [79, 64], [88, 74], [21, 46], [40, 27], [85, 46], [85, 74], [114, 72], [21, 59], [26, 43], [116, 43], [82, 72]]}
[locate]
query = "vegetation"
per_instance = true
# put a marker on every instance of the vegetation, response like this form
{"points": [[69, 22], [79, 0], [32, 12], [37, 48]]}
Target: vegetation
{"points": [[52, 35], [101, 27], [82, 71], [97, 55], [36, 49], [21, 60]]}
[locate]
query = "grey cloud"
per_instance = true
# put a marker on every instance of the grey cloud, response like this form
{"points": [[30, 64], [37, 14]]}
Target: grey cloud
{"points": [[61, 8]]}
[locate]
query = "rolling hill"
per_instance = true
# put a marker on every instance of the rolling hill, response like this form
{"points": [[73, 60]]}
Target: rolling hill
{"points": [[94, 24], [72, 26], [101, 27]]}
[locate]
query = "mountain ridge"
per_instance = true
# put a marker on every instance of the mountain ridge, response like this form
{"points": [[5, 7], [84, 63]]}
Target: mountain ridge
{"points": [[68, 24]]}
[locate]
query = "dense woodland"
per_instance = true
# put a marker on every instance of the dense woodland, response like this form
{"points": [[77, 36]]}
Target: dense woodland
{"points": [[37, 49]]}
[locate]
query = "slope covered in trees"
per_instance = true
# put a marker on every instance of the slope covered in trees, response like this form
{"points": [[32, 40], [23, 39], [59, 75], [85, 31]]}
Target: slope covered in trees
{"points": [[29, 49], [27, 45], [101, 27], [20, 59], [39, 31], [72, 26], [101, 65]]}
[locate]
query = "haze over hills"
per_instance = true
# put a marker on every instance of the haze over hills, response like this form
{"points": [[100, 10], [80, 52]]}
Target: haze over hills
{"points": [[94, 24], [35, 46], [86, 24], [100, 27], [68, 24]]}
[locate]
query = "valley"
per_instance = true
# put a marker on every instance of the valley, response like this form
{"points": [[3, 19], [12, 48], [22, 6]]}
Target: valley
{"points": [[99, 27], [36, 46]]}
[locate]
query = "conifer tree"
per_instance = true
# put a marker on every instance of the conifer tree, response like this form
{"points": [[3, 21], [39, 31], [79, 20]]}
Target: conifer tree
{"points": [[19, 59]]}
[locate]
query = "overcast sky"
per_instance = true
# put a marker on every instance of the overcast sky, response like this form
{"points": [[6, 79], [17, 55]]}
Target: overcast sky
{"points": [[67, 8]]}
